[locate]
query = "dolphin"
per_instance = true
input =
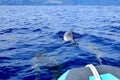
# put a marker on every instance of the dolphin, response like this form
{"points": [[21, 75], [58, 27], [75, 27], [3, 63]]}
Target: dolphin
{"points": [[68, 36]]}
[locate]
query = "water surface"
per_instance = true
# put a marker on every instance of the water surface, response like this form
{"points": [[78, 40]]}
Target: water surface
{"points": [[32, 46]]}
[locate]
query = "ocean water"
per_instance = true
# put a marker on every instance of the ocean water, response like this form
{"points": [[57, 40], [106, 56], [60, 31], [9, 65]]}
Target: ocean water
{"points": [[32, 46]]}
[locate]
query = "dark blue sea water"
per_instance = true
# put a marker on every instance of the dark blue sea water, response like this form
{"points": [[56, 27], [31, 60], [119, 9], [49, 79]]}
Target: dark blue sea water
{"points": [[32, 46]]}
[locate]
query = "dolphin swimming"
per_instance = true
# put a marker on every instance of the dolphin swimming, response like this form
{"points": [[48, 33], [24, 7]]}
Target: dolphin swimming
{"points": [[97, 51], [68, 36]]}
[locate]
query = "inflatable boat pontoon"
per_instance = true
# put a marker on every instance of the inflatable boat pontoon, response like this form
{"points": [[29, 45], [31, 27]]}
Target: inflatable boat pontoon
{"points": [[90, 72]]}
